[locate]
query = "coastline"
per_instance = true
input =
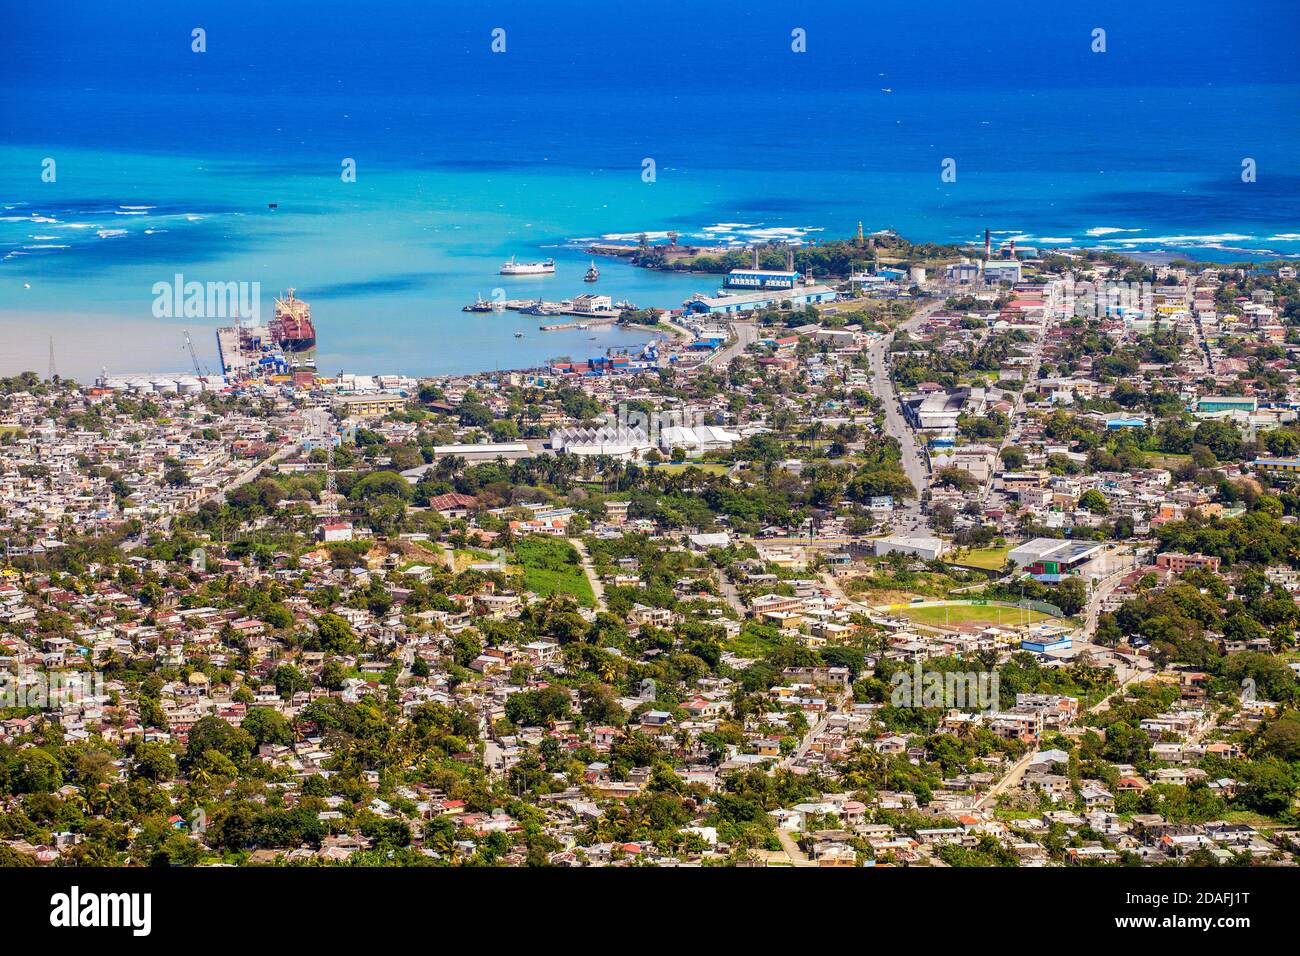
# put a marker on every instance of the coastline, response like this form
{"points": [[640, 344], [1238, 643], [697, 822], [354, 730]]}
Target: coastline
{"points": [[85, 344]]}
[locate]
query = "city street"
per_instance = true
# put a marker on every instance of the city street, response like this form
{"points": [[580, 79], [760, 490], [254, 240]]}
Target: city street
{"points": [[746, 335], [896, 426]]}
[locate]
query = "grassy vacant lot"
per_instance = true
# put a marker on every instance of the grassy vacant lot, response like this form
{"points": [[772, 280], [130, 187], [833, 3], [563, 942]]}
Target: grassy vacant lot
{"points": [[464, 557], [980, 614], [709, 467], [551, 566], [883, 587], [755, 640], [988, 559]]}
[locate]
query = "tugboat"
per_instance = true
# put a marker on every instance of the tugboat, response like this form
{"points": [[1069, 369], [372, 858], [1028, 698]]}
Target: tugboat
{"points": [[480, 305], [592, 274]]}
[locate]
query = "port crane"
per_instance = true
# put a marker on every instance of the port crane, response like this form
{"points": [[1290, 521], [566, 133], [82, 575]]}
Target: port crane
{"points": [[200, 371]]}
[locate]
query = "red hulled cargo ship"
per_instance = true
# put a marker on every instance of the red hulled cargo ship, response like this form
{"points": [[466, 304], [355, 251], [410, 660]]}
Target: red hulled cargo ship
{"points": [[291, 329]]}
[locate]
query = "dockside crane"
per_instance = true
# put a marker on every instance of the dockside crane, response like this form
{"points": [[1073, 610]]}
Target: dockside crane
{"points": [[200, 370]]}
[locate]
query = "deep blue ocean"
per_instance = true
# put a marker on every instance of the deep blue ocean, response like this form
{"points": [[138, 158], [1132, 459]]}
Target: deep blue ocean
{"points": [[166, 159]]}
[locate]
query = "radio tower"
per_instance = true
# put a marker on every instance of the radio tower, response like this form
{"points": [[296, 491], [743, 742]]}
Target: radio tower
{"points": [[329, 467]]}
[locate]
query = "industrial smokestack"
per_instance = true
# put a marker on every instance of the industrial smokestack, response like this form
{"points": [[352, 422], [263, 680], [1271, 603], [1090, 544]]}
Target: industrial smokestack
{"points": [[988, 244], [1013, 249]]}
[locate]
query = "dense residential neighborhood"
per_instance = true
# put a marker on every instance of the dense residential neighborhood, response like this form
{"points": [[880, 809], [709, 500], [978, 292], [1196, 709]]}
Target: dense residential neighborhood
{"points": [[958, 562]]}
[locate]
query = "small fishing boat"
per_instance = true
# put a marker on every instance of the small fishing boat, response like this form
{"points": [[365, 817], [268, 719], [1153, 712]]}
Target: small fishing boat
{"points": [[592, 274]]}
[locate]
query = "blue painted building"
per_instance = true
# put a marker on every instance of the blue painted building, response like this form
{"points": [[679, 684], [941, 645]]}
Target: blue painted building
{"points": [[707, 343], [755, 301], [759, 279], [1047, 644]]}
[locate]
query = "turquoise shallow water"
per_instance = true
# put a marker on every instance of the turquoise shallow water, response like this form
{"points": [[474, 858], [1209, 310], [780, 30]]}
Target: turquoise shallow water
{"points": [[166, 161], [386, 262]]}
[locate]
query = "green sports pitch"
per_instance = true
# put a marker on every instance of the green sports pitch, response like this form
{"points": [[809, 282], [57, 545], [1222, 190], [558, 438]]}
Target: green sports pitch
{"points": [[977, 614]]}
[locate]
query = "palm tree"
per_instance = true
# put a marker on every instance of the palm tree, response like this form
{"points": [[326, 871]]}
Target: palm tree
{"points": [[444, 843]]}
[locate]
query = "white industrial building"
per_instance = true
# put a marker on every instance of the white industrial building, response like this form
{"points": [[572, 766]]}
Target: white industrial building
{"points": [[612, 440], [1003, 270], [925, 547], [166, 383], [939, 411], [698, 439]]}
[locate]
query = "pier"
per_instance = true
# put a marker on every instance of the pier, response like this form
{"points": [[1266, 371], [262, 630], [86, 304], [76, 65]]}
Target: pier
{"points": [[559, 308], [231, 357], [596, 317], [558, 327]]}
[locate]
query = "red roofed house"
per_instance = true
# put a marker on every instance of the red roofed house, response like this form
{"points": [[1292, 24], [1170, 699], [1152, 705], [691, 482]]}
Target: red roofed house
{"points": [[453, 505], [338, 531]]}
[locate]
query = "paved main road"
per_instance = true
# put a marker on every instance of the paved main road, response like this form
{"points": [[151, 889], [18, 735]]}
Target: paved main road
{"points": [[882, 387], [254, 471], [746, 335], [1128, 667], [1118, 568]]}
